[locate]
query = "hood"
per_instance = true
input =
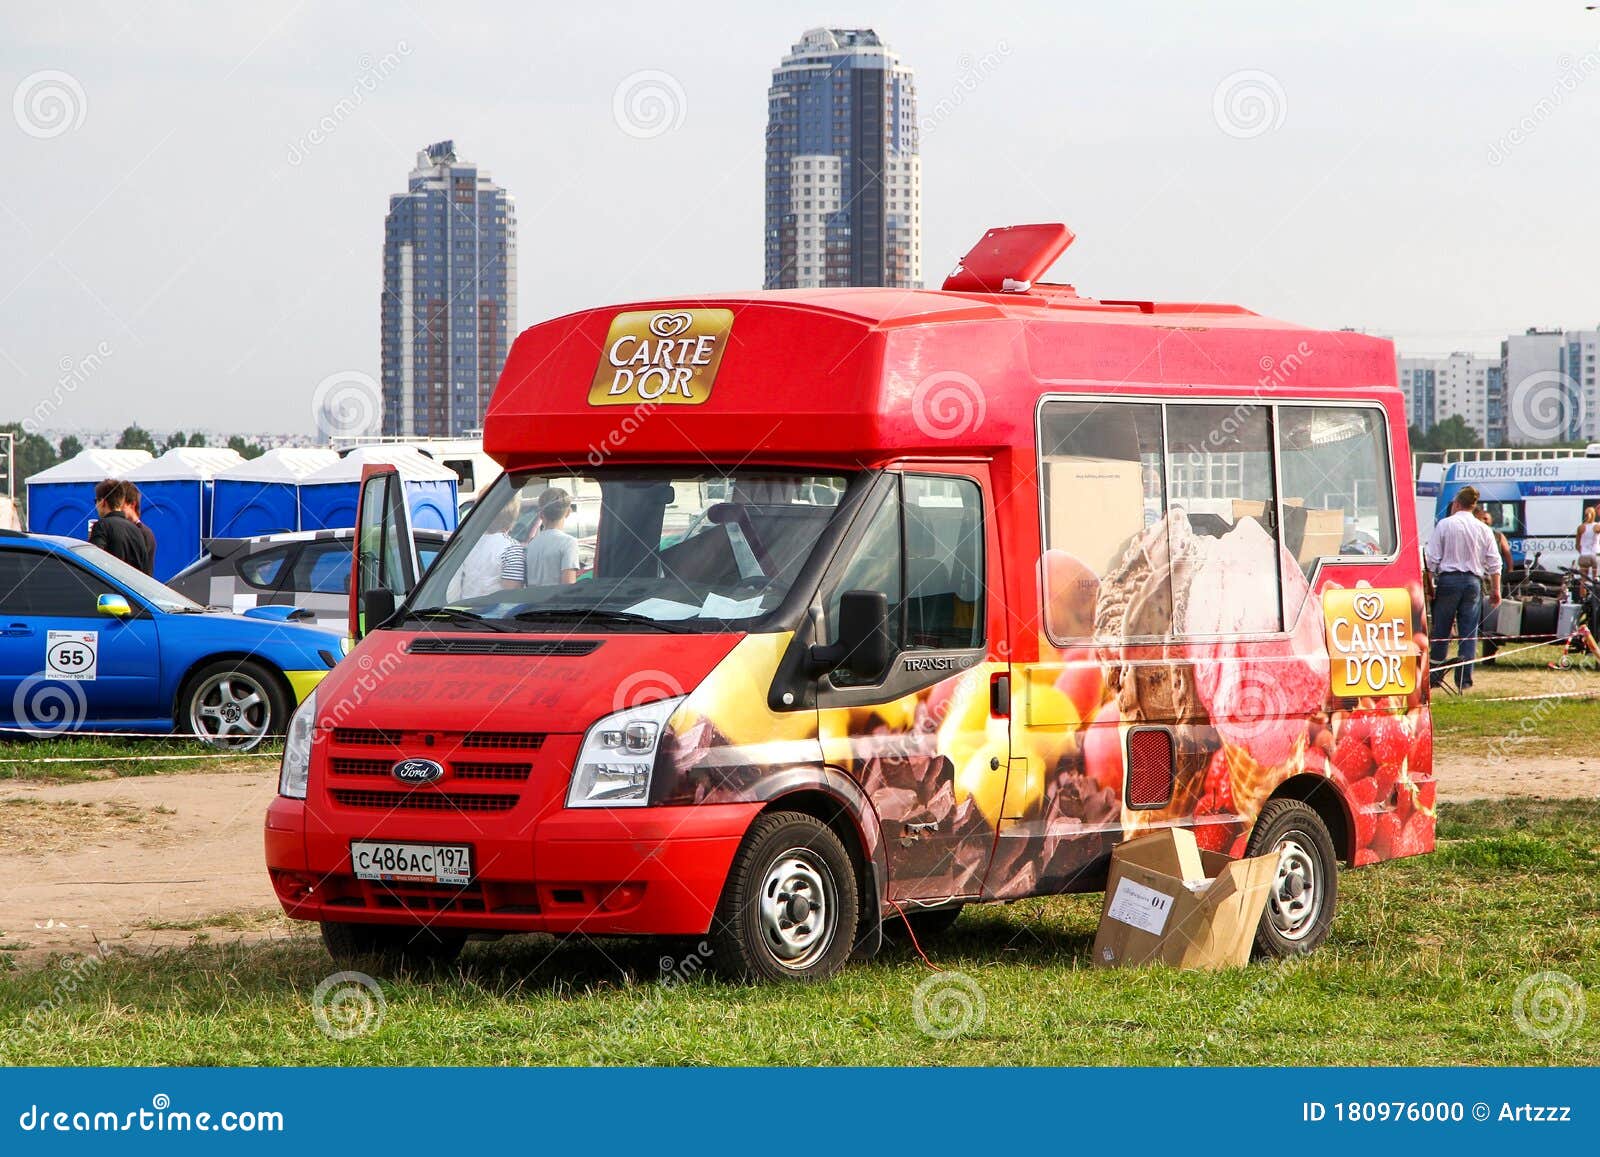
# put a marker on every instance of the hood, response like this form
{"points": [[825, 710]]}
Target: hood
{"points": [[398, 680]]}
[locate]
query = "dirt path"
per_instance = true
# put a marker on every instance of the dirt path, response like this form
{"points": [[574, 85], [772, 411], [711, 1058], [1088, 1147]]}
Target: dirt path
{"points": [[162, 860], [134, 863], [1466, 777]]}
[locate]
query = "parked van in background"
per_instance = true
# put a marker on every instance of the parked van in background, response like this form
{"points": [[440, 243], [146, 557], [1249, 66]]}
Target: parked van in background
{"points": [[899, 601]]}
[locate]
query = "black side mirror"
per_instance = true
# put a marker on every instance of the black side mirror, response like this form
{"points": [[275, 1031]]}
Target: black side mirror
{"points": [[377, 607], [864, 647]]}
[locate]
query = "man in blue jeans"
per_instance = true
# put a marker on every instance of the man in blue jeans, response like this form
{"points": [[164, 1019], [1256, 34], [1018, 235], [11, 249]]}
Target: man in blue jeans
{"points": [[1461, 553]]}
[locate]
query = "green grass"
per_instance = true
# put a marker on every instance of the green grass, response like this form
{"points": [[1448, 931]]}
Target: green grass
{"points": [[79, 758], [1423, 967]]}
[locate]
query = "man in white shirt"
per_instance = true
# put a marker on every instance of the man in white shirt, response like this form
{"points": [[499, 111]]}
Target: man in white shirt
{"points": [[1461, 554]]}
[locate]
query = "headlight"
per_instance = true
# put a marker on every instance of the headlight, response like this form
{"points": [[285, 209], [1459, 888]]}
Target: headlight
{"points": [[618, 754], [297, 750]]}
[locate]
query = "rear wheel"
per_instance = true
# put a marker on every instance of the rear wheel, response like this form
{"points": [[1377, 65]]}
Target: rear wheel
{"points": [[408, 946], [235, 704], [789, 908], [1306, 888]]}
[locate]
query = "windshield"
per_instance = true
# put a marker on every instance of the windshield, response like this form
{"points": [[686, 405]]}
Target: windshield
{"points": [[157, 594], [674, 549]]}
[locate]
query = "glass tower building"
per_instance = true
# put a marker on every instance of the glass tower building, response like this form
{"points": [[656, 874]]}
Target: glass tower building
{"points": [[843, 176], [449, 296]]}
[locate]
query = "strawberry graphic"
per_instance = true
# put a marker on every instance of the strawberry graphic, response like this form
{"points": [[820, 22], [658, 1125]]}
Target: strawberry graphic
{"points": [[1385, 835], [1389, 741], [1415, 838], [1422, 746], [1366, 827], [1211, 837], [1353, 757], [1219, 784]]}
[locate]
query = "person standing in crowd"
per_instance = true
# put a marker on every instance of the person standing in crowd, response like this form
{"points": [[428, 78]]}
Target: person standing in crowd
{"points": [[114, 532], [1461, 555], [551, 556], [480, 574], [133, 506], [1588, 543], [1501, 542]]}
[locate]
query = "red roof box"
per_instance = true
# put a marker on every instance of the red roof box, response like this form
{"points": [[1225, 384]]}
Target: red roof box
{"points": [[1009, 260]]}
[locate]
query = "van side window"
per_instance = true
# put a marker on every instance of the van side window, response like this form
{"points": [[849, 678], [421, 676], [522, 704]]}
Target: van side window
{"points": [[1222, 529], [944, 562], [875, 566], [1338, 497], [1103, 488]]}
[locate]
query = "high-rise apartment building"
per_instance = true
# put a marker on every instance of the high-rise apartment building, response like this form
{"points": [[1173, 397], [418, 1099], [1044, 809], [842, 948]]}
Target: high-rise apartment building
{"points": [[449, 295], [843, 176]]}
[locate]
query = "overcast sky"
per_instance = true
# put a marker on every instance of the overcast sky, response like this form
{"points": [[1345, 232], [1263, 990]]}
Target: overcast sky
{"points": [[1424, 171]]}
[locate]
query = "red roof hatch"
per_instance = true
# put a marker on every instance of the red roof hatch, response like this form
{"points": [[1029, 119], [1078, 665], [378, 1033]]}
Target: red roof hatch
{"points": [[1009, 260]]}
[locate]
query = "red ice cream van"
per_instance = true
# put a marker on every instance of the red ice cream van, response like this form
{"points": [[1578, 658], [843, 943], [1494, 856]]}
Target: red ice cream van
{"points": [[800, 613]]}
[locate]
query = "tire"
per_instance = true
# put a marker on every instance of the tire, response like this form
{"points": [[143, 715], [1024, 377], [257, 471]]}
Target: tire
{"points": [[413, 947], [234, 704], [789, 870], [1293, 925], [926, 923]]}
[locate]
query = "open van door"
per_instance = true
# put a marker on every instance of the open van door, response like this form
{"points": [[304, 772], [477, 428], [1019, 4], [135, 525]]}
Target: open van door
{"points": [[383, 560]]}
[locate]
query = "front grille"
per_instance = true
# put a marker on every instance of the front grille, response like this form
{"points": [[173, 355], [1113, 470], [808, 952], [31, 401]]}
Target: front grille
{"points": [[504, 740], [491, 770], [366, 737], [424, 799], [360, 766], [455, 645]]}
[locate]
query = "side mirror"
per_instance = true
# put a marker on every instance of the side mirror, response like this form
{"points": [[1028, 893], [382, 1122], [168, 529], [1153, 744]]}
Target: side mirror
{"points": [[863, 646], [377, 607], [114, 605]]}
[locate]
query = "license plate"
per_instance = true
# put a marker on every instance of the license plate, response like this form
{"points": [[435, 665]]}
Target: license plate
{"points": [[412, 863]]}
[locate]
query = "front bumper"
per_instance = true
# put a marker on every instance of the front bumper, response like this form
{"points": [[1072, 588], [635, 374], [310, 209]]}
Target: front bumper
{"points": [[601, 871]]}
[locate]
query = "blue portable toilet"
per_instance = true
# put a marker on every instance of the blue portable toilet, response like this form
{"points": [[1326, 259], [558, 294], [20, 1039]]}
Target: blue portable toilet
{"points": [[262, 496], [328, 497], [61, 499], [176, 501]]}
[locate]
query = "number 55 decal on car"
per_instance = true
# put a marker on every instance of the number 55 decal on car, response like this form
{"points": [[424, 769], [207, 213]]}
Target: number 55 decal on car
{"points": [[71, 655]]}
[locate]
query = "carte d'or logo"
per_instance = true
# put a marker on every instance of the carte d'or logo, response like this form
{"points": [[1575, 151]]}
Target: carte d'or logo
{"points": [[661, 357], [1369, 642]]}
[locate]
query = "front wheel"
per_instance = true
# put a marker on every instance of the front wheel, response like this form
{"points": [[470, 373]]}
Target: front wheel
{"points": [[234, 704], [1306, 888], [789, 908]]}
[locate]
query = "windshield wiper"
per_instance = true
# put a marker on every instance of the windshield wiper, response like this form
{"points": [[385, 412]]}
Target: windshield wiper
{"points": [[598, 615], [458, 615]]}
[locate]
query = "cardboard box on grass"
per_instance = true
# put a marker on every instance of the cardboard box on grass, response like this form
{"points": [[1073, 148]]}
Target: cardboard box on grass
{"points": [[1168, 902]]}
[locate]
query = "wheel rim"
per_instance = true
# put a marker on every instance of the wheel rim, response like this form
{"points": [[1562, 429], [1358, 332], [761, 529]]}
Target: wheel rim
{"points": [[798, 905], [231, 709], [1297, 892]]}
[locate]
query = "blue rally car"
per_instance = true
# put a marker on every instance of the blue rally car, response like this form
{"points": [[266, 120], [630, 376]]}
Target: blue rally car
{"points": [[89, 643]]}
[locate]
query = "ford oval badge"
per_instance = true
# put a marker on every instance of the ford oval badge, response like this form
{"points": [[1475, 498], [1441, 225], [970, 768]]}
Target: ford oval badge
{"points": [[417, 771]]}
